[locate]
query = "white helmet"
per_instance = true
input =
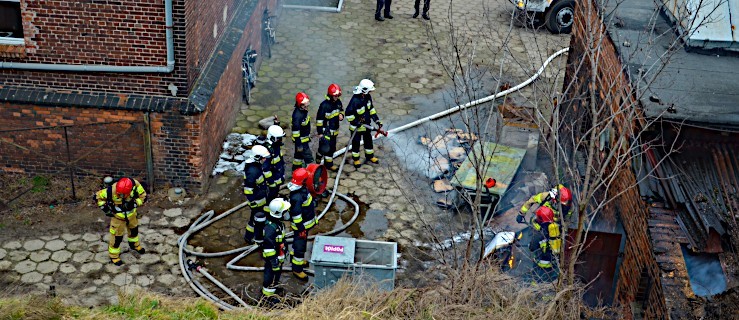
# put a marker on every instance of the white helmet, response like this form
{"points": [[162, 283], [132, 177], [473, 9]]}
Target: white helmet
{"points": [[274, 132], [365, 86], [278, 208], [256, 153]]}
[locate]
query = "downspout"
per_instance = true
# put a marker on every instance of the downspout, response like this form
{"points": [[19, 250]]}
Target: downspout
{"points": [[108, 68]]}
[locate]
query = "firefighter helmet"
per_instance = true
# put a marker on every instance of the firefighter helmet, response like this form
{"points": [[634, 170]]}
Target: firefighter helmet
{"points": [[257, 153], [124, 186], [278, 207], [302, 99], [565, 196], [274, 132], [365, 86], [334, 90], [544, 214], [299, 176]]}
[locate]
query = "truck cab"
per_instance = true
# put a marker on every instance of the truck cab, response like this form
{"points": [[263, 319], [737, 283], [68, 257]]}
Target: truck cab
{"points": [[557, 15]]}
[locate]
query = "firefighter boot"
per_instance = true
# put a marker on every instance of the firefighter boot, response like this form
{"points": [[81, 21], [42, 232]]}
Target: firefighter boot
{"points": [[374, 160], [138, 248]]}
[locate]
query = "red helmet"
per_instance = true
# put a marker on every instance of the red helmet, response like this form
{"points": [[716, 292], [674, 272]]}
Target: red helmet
{"points": [[334, 90], [565, 196], [301, 98], [124, 186], [544, 214], [299, 176]]}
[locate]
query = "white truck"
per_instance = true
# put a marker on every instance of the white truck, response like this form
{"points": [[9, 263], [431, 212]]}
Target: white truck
{"points": [[557, 15]]}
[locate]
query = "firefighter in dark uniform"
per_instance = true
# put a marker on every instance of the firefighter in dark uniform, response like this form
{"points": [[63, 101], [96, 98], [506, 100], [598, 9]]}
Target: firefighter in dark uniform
{"points": [[275, 165], [330, 113], [255, 189], [273, 248], [303, 216], [301, 131], [360, 113], [545, 243]]}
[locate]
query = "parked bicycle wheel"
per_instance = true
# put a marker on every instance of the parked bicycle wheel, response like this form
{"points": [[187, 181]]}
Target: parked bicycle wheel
{"points": [[246, 92]]}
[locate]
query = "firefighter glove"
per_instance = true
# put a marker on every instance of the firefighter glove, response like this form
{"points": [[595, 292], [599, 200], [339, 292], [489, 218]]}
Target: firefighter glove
{"points": [[303, 234], [520, 219]]}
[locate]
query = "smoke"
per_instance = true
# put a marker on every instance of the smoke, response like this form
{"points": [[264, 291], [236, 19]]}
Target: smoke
{"points": [[705, 272]]}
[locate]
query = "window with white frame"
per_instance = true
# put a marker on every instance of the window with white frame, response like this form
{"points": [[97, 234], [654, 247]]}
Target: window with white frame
{"points": [[11, 23]]}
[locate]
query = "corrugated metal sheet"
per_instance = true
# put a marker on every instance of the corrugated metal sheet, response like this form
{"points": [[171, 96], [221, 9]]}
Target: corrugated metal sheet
{"points": [[709, 23], [702, 180]]}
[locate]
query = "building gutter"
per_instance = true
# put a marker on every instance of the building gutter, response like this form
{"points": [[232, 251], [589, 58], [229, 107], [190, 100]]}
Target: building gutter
{"points": [[108, 68]]}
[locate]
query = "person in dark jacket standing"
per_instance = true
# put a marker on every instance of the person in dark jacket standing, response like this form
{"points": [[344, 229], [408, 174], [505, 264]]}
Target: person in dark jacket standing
{"points": [[383, 4], [360, 113], [273, 249], [330, 113], [303, 215], [426, 4], [256, 190], [275, 165], [301, 131]]}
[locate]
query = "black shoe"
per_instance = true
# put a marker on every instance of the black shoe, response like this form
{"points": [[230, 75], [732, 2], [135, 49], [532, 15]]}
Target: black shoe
{"points": [[415, 15], [379, 18], [388, 16], [426, 16]]}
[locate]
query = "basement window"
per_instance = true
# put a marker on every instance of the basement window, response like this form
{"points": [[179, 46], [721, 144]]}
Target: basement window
{"points": [[11, 23]]}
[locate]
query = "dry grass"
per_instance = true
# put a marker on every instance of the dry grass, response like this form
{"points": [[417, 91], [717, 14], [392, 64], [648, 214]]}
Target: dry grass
{"points": [[466, 294]]}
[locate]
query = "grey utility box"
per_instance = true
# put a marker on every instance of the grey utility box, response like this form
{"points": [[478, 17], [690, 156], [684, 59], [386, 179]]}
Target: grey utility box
{"points": [[363, 260]]}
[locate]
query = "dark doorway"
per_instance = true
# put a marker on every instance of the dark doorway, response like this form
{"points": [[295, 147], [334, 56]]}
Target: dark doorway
{"points": [[598, 264]]}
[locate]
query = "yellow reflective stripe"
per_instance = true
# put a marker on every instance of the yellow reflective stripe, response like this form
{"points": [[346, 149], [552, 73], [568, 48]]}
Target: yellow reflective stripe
{"points": [[268, 292], [257, 203], [249, 228], [306, 121], [123, 215], [268, 253], [307, 201], [136, 239], [305, 139], [352, 127], [298, 219], [296, 134], [350, 118], [114, 250], [276, 160], [544, 263], [248, 190], [112, 230], [267, 174], [361, 111], [310, 224], [373, 111], [319, 123]]}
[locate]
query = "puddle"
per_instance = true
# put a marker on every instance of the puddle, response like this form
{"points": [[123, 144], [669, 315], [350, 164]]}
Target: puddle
{"points": [[705, 272]]}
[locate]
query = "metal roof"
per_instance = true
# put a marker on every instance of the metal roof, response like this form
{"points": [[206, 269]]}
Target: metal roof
{"points": [[676, 84], [708, 23]]}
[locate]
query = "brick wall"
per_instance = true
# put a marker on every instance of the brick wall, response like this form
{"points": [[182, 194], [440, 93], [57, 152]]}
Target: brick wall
{"points": [[116, 33], [102, 142], [221, 112], [206, 22], [612, 87]]}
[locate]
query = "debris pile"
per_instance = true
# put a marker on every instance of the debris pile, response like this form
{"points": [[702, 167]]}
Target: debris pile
{"points": [[232, 158], [445, 153]]}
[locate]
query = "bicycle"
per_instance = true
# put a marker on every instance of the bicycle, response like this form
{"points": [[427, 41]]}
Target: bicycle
{"points": [[249, 76], [269, 32]]}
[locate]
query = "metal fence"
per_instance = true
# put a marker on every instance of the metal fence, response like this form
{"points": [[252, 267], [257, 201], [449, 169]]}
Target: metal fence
{"points": [[66, 163]]}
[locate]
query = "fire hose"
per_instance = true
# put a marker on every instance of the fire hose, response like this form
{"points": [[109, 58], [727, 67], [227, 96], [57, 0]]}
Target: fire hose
{"points": [[187, 266]]}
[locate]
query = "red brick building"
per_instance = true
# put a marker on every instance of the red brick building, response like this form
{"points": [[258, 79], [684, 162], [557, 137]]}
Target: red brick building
{"points": [[102, 86], [679, 192]]}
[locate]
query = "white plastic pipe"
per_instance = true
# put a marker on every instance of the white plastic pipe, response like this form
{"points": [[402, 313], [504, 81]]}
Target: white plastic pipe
{"points": [[469, 104], [108, 68]]}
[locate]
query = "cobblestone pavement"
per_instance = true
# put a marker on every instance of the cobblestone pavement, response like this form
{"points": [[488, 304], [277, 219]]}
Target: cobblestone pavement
{"points": [[314, 49]]}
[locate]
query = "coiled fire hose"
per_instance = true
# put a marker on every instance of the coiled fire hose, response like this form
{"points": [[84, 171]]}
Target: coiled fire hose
{"points": [[208, 218]]}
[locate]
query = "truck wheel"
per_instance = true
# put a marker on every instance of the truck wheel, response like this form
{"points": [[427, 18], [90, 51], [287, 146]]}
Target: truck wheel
{"points": [[560, 16]]}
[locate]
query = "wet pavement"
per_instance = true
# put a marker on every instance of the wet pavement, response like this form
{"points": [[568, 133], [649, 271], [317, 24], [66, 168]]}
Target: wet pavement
{"points": [[313, 50]]}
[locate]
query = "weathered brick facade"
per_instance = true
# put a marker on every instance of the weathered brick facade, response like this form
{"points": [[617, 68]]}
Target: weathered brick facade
{"points": [[638, 290], [187, 128]]}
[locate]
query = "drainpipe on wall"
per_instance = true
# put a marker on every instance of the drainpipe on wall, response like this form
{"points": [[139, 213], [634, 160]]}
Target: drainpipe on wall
{"points": [[108, 68]]}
